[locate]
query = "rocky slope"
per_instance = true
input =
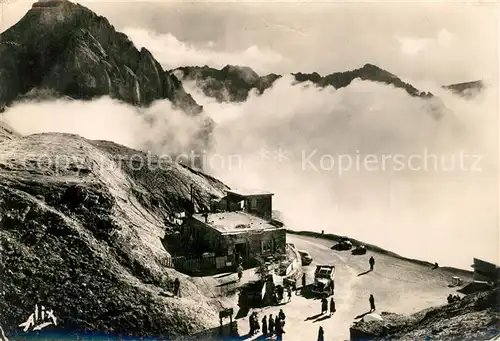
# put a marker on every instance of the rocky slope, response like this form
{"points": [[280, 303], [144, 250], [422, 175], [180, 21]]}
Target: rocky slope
{"points": [[6, 132], [234, 83], [60, 48], [81, 229], [475, 317]]}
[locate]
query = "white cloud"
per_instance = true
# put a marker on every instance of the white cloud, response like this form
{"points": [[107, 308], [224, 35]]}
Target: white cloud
{"points": [[172, 53], [400, 210], [159, 128], [445, 38], [414, 46]]}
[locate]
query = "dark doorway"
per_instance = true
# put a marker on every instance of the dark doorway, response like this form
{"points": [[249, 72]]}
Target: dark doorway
{"points": [[241, 249]]}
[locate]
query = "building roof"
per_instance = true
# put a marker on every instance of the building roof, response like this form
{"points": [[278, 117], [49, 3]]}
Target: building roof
{"points": [[235, 222], [248, 192]]}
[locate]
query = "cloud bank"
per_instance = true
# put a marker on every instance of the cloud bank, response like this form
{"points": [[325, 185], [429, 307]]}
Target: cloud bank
{"points": [[432, 207], [172, 53], [159, 129], [446, 213]]}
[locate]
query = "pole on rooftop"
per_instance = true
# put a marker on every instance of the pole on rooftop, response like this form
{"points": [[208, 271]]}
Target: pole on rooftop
{"points": [[191, 195]]}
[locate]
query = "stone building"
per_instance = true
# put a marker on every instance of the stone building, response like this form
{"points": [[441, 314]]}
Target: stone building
{"points": [[239, 224]]}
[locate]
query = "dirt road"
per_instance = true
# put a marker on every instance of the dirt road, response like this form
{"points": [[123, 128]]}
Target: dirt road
{"points": [[398, 285]]}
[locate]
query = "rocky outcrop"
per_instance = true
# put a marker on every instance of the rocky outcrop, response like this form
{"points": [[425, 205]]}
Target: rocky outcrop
{"points": [[81, 229], [234, 83], [65, 49], [229, 84], [468, 89], [6, 132], [474, 317]]}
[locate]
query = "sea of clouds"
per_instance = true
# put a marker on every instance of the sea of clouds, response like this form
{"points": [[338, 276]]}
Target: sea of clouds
{"points": [[418, 177]]}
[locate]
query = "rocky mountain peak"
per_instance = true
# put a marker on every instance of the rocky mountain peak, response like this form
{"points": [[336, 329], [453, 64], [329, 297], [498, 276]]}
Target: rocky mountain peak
{"points": [[72, 51], [467, 90]]}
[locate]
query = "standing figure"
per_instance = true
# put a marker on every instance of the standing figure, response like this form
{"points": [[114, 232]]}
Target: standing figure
{"points": [[240, 272], [257, 324], [251, 325], [271, 324], [264, 325], [321, 334], [289, 292], [279, 329], [372, 263], [324, 305], [332, 306], [177, 285], [372, 303], [281, 316]]}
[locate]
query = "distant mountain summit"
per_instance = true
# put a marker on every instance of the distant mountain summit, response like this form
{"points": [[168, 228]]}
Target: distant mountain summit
{"points": [[234, 83], [230, 84], [64, 49], [467, 89], [368, 72]]}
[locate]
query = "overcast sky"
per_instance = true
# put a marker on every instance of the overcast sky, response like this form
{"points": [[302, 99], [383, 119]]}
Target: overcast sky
{"points": [[439, 42]]}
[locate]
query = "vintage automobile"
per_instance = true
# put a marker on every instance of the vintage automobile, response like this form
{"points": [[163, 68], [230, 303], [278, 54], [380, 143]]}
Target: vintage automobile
{"points": [[343, 244], [324, 282], [359, 250]]}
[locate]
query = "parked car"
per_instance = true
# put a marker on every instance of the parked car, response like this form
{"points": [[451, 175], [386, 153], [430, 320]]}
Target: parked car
{"points": [[343, 244], [359, 250], [324, 282], [306, 257]]}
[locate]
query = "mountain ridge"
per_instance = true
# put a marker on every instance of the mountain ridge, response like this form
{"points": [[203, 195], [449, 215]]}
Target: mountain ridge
{"points": [[76, 53], [466, 89], [233, 83]]}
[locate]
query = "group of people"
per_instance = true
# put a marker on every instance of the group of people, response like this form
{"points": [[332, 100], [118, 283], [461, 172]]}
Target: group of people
{"points": [[270, 325], [324, 305], [275, 326]]}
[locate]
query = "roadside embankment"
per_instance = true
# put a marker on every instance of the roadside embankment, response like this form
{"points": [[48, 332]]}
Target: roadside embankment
{"points": [[475, 317], [374, 248]]}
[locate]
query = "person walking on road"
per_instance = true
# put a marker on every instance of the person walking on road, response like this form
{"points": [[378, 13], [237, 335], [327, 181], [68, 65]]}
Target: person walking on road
{"points": [[372, 263], [240, 272], [321, 334], [289, 293], [324, 305], [372, 303], [332, 306]]}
